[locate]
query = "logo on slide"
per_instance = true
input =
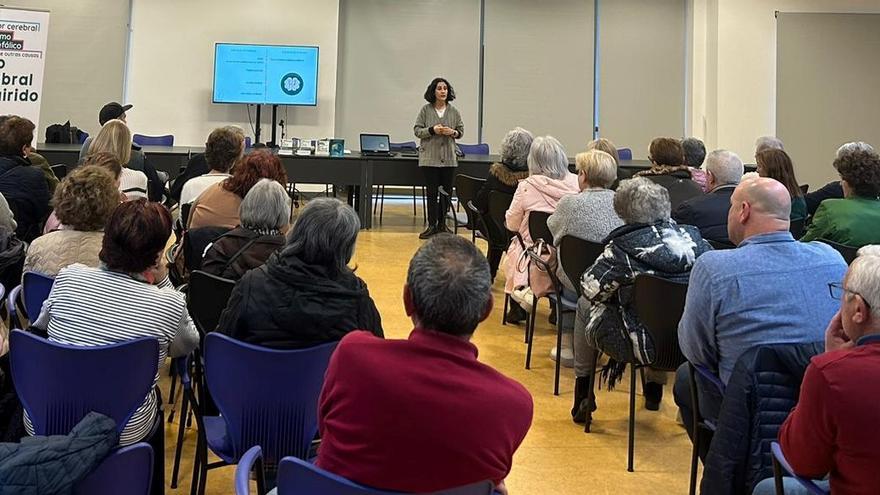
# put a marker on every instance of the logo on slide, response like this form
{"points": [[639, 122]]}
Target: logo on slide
{"points": [[292, 84]]}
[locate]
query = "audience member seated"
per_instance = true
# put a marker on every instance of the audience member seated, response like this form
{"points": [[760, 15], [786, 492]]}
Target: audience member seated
{"points": [[709, 211], [668, 170], [104, 160], [649, 242], [694, 154], [22, 185], [265, 214], [196, 166], [218, 205], [127, 297], [504, 177], [602, 144], [423, 414], [548, 181], [115, 138], [224, 147], [769, 290], [305, 294], [830, 429], [138, 160], [40, 162], [83, 203], [588, 215], [854, 220], [833, 190], [776, 164]]}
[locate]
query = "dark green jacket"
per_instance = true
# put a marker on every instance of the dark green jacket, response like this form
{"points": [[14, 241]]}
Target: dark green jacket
{"points": [[854, 222]]}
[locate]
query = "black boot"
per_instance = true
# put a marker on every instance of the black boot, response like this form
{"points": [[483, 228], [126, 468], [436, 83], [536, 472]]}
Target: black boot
{"points": [[552, 318], [653, 396], [583, 407], [428, 232], [515, 313]]}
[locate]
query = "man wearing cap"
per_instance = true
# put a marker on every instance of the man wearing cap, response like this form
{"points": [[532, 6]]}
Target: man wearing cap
{"points": [[114, 110]]}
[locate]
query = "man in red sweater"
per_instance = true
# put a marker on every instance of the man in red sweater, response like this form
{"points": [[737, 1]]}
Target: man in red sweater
{"points": [[833, 428], [422, 414]]}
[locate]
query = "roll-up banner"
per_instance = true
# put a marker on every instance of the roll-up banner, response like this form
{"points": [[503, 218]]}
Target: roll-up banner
{"points": [[23, 36]]}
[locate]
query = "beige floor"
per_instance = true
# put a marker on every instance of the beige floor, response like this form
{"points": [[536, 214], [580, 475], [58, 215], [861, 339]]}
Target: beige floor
{"points": [[557, 456]]}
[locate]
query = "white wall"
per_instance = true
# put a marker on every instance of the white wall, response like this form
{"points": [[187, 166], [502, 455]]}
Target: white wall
{"points": [[734, 72], [172, 59], [85, 60]]}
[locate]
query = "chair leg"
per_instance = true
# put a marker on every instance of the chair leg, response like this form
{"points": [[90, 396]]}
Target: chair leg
{"points": [[424, 206], [171, 395], [179, 448], [777, 477], [632, 418], [382, 205], [504, 314], [376, 195], [591, 393], [414, 200], [558, 346], [692, 489], [197, 464], [530, 333]]}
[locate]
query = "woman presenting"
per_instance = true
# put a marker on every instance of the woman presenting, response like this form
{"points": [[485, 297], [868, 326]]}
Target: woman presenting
{"points": [[437, 127]]}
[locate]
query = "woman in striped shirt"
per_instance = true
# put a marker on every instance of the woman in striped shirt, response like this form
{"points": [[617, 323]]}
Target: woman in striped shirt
{"points": [[126, 297]]}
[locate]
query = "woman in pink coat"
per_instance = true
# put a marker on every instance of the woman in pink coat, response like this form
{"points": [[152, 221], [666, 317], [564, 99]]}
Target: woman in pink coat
{"points": [[548, 181]]}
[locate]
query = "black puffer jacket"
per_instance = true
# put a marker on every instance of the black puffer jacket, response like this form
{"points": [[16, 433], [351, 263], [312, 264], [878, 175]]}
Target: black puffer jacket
{"points": [[53, 465], [27, 193], [760, 394], [289, 304]]}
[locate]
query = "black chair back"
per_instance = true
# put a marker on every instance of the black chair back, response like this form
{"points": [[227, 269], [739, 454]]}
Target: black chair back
{"points": [[804, 188], [797, 227], [538, 226], [194, 243], [720, 245], [466, 188], [184, 213], [206, 298], [659, 304], [680, 190], [60, 171], [849, 253], [499, 202], [576, 256]]}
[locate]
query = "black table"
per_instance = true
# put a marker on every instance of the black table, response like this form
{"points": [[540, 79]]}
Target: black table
{"points": [[363, 172]]}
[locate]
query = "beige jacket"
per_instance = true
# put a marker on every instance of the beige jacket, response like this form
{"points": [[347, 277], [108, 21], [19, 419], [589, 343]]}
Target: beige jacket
{"points": [[436, 150], [49, 253]]}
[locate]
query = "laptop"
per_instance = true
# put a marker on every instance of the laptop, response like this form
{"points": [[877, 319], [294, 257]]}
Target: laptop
{"points": [[376, 145]]}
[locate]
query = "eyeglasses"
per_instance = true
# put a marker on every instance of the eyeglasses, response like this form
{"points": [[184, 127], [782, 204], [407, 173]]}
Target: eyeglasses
{"points": [[837, 290]]}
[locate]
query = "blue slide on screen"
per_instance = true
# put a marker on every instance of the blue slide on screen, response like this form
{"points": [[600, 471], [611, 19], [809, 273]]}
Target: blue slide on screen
{"points": [[265, 74]]}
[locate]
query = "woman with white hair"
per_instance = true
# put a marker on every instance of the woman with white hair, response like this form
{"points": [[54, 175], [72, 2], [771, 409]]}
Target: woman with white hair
{"points": [[548, 182], [305, 294], [504, 176], [265, 215], [649, 242]]}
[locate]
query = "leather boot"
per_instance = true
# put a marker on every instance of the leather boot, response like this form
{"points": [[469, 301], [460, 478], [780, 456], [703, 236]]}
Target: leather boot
{"points": [[582, 407]]}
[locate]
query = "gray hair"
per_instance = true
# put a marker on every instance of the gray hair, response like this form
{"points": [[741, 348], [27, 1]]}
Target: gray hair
{"points": [[725, 166], [324, 234], [515, 148], [265, 207], [547, 157], [854, 146], [694, 152], [641, 200], [450, 285], [864, 277], [768, 143]]}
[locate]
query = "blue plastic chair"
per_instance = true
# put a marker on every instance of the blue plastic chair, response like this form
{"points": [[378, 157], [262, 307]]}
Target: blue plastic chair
{"points": [[404, 146], [474, 149], [780, 464], [701, 424], [166, 140], [126, 470], [298, 477], [624, 153], [59, 384], [36, 288], [266, 397], [83, 136]]}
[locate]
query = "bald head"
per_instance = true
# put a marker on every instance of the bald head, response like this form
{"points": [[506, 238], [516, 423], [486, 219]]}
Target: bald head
{"points": [[758, 206]]}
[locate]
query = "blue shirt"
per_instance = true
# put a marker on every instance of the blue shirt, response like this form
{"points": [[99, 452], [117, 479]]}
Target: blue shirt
{"points": [[770, 290]]}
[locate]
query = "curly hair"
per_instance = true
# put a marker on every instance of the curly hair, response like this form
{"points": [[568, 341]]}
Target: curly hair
{"points": [[135, 235], [223, 147], [86, 198], [515, 148], [255, 166], [105, 160], [431, 96], [861, 171], [666, 151], [15, 133]]}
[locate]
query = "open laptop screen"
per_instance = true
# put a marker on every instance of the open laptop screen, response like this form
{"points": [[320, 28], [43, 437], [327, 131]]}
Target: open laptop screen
{"points": [[375, 142]]}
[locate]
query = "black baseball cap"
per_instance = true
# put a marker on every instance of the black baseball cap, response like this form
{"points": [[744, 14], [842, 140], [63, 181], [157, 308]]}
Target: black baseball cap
{"points": [[112, 110]]}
